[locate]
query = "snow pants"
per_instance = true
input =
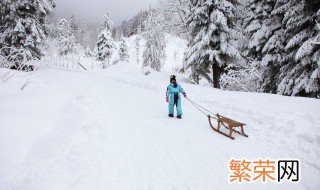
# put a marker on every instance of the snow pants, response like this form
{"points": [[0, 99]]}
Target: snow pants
{"points": [[175, 100]]}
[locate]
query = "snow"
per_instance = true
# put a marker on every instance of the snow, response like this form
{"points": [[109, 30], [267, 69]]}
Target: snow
{"points": [[109, 130]]}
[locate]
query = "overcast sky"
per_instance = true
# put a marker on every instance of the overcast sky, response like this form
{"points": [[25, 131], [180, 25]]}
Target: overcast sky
{"points": [[93, 10]]}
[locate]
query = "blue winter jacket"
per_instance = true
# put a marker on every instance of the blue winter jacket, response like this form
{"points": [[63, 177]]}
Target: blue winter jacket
{"points": [[171, 90]]}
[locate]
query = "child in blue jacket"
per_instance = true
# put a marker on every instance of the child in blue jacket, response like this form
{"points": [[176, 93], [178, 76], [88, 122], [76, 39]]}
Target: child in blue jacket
{"points": [[173, 96]]}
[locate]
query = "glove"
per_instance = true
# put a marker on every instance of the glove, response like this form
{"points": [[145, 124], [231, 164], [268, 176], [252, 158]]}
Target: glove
{"points": [[167, 99], [184, 94]]}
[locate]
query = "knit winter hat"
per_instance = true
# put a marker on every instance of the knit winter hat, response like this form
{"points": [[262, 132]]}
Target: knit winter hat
{"points": [[172, 78]]}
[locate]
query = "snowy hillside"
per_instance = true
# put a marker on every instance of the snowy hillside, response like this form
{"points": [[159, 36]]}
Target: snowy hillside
{"points": [[175, 48], [110, 130]]}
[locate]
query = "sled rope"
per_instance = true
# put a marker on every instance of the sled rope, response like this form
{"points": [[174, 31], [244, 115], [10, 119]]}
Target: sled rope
{"points": [[202, 109]]}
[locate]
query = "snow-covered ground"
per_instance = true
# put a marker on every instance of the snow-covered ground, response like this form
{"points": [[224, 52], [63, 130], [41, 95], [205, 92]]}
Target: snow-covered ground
{"points": [[110, 130]]}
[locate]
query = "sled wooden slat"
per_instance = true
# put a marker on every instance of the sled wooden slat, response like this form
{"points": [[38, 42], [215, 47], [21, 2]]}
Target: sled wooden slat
{"points": [[230, 124]]}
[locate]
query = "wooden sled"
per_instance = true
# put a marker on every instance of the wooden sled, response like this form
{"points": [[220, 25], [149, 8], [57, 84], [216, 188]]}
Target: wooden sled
{"points": [[229, 124]]}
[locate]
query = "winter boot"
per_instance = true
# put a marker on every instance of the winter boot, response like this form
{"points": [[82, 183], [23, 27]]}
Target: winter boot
{"points": [[170, 115], [179, 116]]}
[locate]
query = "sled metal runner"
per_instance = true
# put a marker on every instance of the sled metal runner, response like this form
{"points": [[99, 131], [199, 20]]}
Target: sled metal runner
{"points": [[229, 124]]}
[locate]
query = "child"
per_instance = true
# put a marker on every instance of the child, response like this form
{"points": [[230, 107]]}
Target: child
{"points": [[173, 97]]}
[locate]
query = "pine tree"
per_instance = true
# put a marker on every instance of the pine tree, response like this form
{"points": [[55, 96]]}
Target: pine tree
{"points": [[66, 40], [83, 34], [73, 25], [23, 28], [212, 44], [137, 44], [123, 51], [265, 40], [154, 53], [300, 69], [105, 43], [259, 26]]}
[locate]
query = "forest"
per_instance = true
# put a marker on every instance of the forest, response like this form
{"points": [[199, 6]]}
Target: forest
{"points": [[267, 46]]}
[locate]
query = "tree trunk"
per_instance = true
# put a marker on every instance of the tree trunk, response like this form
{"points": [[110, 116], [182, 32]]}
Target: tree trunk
{"points": [[216, 73]]}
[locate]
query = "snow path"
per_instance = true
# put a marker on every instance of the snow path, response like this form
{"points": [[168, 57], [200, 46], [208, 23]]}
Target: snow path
{"points": [[111, 131]]}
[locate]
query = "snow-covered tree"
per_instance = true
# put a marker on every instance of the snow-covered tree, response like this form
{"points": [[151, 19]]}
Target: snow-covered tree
{"points": [[73, 25], [105, 43], [88, 52], [175, 13], [93, 32], [259, 26], [123, 51], [83, 34], [66, 40], [242, 77], [265, 42], [134, 25], [212, 45], [22, 28], [300, 69], [154, 53], [137, 46]]}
